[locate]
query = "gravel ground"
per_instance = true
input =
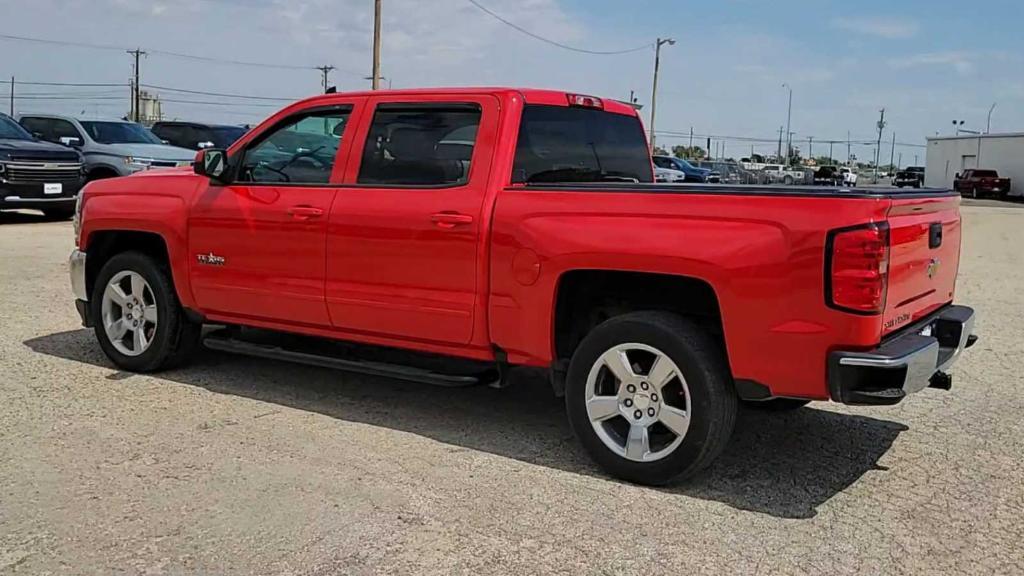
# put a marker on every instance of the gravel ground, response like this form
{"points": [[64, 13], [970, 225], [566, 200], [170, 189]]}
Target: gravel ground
{"points": [[242, 466]]}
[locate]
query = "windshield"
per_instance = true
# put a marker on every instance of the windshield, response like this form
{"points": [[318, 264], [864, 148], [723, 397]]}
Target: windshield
{"points": [[563, 144], [120, 133], [224, 136], [11, 130]]}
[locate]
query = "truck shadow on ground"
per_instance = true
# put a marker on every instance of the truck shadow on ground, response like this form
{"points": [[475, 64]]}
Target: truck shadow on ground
{"points": [[781, 464]]}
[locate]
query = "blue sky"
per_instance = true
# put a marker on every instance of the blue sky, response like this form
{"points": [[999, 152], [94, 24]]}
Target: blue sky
{"points": [[926, 62]]}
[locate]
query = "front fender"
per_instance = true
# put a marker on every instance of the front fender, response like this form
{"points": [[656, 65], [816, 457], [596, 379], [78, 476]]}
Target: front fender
{"points": [[163, 215]]}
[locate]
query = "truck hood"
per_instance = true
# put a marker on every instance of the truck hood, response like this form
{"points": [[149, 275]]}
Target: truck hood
{"points": [[36, 150], [154, 151]]}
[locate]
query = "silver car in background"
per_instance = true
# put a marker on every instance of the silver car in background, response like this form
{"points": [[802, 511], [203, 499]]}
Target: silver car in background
{"points": [[110, 147], [667, 176]]}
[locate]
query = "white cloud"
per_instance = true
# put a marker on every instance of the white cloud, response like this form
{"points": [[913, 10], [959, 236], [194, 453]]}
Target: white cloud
{"points": [[962, 62], [882, 27]]}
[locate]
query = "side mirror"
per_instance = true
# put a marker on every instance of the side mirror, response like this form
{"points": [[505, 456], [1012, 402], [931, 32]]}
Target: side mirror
{"points": [[207, 144], [957, 177], [212, 163], [71, 141]]}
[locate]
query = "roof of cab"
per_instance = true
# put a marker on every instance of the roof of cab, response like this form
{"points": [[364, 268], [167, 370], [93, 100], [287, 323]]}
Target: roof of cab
{"points": [[529, 95]]}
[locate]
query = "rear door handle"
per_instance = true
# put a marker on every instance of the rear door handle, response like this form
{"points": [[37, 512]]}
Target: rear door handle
{"points": [[451, 219], [304, 212]]}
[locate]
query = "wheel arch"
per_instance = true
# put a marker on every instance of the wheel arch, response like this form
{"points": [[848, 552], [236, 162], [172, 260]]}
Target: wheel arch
{"points": [[586, 297]]}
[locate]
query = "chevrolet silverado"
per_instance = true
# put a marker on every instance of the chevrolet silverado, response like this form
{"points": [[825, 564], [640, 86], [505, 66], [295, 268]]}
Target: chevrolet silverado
{"points": [[448, 235]]}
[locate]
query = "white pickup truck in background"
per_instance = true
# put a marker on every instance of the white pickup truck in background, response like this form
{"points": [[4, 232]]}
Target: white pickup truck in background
{"points": [[849, 177], [779, 174]]}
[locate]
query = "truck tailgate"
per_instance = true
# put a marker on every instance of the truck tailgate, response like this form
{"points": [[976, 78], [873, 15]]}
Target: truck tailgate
{"points": [[924, 235]]}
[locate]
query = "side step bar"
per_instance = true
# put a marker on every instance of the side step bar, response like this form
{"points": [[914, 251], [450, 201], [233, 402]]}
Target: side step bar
{"points": [[235, 346]]}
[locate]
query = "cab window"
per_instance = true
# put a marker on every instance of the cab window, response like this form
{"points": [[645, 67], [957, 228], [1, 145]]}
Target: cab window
{"points": [[420, 145], [302, 150]]}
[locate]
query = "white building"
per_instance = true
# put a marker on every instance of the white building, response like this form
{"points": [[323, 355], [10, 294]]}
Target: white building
{"points": [[948, 155]]}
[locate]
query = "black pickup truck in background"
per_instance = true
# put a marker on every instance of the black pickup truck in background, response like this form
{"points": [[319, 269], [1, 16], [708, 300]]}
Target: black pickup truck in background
{"points": [[37, 175], [909, 176]]}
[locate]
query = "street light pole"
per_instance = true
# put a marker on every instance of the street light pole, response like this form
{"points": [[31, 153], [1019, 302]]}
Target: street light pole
{"points": [[988, 124], [654, 88], [789, 116]]}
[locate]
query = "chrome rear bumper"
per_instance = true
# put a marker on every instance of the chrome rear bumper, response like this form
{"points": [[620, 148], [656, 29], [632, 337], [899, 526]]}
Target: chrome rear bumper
{"points": [[904, 363]]}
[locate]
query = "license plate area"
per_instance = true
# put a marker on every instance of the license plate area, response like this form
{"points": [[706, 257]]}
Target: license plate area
{"points": [[53, 189]]}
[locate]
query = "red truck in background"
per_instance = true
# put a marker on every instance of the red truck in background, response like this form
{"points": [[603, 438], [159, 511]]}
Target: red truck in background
{"points": [[445, 235], [980, 183]]}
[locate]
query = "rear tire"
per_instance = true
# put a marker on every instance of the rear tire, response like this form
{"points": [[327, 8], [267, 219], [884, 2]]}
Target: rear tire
{"points": [[627, 417], [776, 404], [134, 294]]}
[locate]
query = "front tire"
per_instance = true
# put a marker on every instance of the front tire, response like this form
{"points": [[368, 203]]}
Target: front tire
{"points": [[649, 396], [138, 320], [59, 213]]}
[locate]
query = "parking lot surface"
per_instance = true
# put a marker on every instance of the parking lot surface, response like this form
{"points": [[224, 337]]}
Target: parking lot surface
{"points": [[241, 466]]}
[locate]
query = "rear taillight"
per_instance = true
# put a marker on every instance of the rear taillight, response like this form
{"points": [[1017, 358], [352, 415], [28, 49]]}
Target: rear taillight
{"points": [[857, 268]]}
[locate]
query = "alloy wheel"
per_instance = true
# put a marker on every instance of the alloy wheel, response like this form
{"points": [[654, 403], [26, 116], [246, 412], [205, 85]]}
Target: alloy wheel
{"points": [[638, 402], [129, 313]]}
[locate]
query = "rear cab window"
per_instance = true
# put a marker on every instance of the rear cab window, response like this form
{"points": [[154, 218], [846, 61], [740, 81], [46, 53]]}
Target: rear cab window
{"points": [[420, 144], [576, 144]]}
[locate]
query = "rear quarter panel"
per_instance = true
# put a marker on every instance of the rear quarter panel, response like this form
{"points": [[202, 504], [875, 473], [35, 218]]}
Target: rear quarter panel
{"points": [[762, 255]]}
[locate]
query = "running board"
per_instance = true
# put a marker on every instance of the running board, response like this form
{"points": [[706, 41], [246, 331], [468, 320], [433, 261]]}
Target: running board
{"points": [[235, 346]]}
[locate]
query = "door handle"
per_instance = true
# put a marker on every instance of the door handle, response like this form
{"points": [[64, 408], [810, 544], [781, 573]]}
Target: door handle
{"points": [[304, 212], [450, 220]]}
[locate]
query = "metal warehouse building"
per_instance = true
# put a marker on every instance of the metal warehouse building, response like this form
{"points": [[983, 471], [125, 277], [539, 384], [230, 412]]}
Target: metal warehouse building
{"points": [[948, 155]]}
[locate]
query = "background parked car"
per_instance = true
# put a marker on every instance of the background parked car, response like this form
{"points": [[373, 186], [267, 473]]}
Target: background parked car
{"points": [[828, 176], [668, 176], [195, 136], [37, 175], [909, 176], [110, 147], [977, 183], [693, 173]]}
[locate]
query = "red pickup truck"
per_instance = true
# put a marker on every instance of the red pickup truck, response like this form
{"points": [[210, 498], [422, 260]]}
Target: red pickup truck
{"points": [[447, 235], [979, 183]]}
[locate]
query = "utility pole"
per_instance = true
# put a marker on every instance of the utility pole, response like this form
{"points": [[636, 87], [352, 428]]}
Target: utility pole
{"points": [[899, 161], [654, 88], [778, 154], [325, 69], [830, 143], [847, 147], [810, 147], [376, 44], [789, 116], [12, 96], [691, 138], [878, 147], [892, 151], [136, 114]]}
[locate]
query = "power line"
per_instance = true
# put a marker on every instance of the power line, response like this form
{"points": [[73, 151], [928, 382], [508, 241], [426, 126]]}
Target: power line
{"points": [[204, 93], [76, 84], [167, 53], [553, 42]]}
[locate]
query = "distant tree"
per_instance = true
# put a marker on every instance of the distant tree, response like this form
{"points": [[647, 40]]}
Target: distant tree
{"points": [[825, 161], [695, 152], [659, 151]]}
